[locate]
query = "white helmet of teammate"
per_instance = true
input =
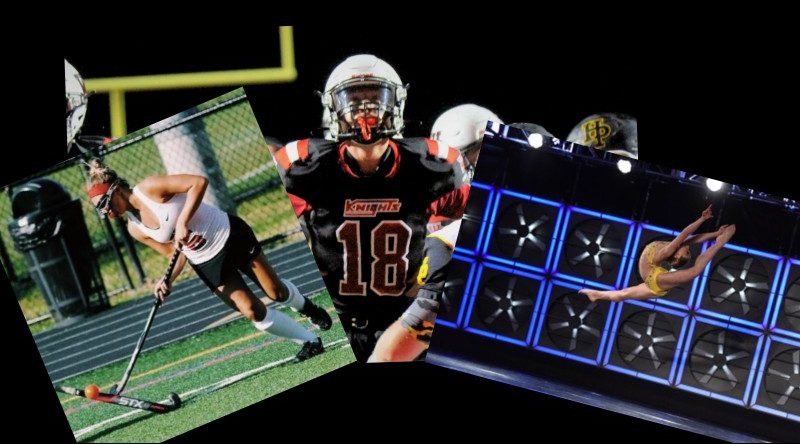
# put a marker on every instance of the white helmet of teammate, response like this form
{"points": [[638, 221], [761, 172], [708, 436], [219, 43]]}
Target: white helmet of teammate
{"points": [[462, 128], [76, 101], [613, 132], [364, 100]]}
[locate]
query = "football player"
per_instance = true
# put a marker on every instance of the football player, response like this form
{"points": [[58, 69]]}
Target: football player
{"points": [[366, 196], [462, 127]]}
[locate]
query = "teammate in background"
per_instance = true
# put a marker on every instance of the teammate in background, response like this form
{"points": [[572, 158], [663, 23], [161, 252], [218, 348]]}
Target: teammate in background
{"points": [[461, 127], [613, 132]]}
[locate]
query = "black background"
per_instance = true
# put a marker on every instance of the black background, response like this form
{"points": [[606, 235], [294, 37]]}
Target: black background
{"points": [[707, 102]]}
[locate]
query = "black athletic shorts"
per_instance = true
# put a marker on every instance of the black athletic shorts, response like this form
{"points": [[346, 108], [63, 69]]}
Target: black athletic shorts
{"points": [[239, 251]]}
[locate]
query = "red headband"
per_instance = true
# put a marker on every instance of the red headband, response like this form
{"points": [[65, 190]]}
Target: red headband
{"points": [[99, 189]]}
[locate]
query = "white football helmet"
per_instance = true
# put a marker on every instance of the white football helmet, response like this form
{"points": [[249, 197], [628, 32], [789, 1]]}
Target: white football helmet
{"points": [[613, 132], [363, 100], [76, 101], [462, 128]]}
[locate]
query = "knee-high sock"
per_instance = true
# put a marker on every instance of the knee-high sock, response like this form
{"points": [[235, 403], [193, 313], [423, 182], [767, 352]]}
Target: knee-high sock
{"points": [[281, 324], [296, 301]]}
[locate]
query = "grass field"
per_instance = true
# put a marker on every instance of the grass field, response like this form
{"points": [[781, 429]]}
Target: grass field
{"points": [[197, 368]]}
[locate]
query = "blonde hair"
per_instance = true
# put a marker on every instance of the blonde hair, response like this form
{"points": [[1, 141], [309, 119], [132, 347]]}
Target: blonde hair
{"points": [[99, 173]]}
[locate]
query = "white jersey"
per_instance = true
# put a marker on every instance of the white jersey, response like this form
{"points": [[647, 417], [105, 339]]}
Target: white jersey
{"points": [[210, 222]]}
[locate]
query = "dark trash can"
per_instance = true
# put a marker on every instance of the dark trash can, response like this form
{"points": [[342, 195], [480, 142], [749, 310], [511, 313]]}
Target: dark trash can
{"points": [[49, 230]]}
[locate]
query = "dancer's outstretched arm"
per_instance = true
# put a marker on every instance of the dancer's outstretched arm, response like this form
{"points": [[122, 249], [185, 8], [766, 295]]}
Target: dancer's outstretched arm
{"points": [[670, 249]]}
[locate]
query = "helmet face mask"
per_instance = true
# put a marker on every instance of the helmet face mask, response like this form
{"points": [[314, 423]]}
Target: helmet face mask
{"points": [[363, 101], [363, 108]]}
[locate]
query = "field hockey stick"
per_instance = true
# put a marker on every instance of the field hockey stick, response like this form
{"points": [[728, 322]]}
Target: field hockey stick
{"points": [[125, 401], [118, 387]]}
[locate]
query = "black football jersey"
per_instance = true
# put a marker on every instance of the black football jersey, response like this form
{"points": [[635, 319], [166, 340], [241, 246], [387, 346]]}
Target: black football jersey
{"points": [[368, 232]]}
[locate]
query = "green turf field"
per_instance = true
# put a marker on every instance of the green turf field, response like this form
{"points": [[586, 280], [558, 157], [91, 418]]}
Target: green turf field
{"points": [[212, 373]]}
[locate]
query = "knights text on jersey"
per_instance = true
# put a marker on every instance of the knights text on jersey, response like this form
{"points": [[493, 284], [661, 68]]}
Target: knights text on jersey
{"points": [[368, 231]]}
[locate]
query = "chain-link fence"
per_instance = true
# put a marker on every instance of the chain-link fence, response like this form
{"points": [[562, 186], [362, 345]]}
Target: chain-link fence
{"points": [[219, 139]]}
